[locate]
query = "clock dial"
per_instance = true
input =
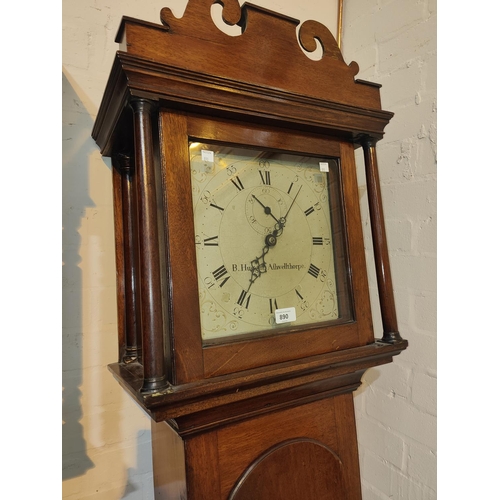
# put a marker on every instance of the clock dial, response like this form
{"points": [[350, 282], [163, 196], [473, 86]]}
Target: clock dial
{"points": [[263, 235]]}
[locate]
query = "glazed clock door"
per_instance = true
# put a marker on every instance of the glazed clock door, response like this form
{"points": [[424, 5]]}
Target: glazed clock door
{"points": [[267, 225]]}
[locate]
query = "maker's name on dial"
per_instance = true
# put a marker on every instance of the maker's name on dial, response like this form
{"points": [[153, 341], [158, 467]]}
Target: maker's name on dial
{"points": [[273, 267]]}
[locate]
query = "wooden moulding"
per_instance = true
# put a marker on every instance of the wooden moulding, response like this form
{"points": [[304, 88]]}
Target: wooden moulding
{"points": [[189, 63], [194, 91], [202, 405]]}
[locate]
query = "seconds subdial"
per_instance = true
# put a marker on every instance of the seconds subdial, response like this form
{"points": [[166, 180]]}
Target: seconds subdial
{"points": [[264, 207]]}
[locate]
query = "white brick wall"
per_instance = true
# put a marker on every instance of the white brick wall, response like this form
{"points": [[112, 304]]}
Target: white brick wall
{"points": [[395, 44], [106, 437]]}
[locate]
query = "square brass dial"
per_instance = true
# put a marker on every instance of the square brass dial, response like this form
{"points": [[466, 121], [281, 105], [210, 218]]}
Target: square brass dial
{"points": [[265, 245]]}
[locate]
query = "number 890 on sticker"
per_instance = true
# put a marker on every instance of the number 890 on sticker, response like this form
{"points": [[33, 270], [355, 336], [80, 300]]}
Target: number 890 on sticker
{"points": [[286, 315]]}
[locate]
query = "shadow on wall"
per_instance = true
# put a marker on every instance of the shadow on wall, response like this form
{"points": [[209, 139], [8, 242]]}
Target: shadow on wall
{"points": [[140, 479], [76, 150]]}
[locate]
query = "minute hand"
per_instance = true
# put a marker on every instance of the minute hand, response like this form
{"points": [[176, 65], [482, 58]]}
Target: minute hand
{"points": [[291, 204]]}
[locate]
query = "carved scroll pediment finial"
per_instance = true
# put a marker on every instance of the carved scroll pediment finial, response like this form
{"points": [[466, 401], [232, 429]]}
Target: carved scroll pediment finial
{"points": [[197, 19], [231, 12], [265, 51], [313, 32]]}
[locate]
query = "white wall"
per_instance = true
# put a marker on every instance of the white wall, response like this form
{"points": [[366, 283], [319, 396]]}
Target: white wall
{"points": [[394, 42], [106, 437]]}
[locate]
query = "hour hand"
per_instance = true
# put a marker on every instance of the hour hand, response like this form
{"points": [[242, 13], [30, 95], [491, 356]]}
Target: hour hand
{"points": [[258, 266], [267, 210]]}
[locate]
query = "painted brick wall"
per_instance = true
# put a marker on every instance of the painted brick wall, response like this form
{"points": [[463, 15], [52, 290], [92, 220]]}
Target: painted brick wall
{"points": [[394, 43], [106, 451], [106, 437]]}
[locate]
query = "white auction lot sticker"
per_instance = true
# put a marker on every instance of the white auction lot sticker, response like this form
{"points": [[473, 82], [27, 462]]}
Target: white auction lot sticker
{"points": [[207, 155], [285, 315]]}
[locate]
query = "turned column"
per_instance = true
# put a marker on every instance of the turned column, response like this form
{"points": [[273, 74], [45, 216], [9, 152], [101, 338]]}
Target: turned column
{"points": [[153, 358], [132, 338], [381, 252]]}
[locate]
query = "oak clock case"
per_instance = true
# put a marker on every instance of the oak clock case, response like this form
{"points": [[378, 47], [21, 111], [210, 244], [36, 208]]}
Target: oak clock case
{"points": [[244, 318], [265, 248]]}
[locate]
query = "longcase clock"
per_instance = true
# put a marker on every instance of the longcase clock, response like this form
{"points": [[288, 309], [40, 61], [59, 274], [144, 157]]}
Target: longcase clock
{"points": [[244, 321]]}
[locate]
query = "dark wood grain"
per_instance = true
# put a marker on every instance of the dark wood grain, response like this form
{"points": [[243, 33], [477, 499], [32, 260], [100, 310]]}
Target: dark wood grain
{"points": [[130, 262], [150, 282], [179, 229], [294, 343], [169, 469], [301, 468], [242, 444], [301, 453], [380, 250], [311, 388], [107, 130], [355, 244], [202, 455], [119, 257]]}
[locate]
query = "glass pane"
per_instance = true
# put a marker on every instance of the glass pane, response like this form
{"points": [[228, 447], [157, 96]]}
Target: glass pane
{"points": [[270, 241]]}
